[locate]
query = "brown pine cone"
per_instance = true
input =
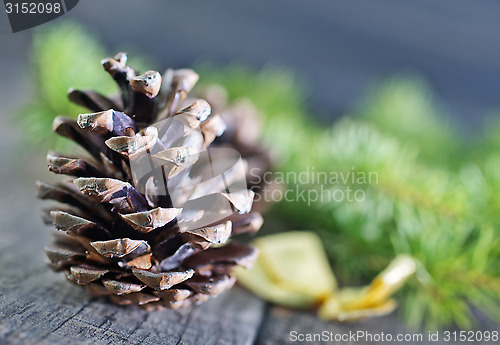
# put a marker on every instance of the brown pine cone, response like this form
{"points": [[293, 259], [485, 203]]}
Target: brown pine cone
{"points": [[148, 217]]}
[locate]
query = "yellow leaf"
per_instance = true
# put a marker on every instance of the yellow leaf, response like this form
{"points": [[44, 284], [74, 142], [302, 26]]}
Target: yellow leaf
{"points": [[372, 300], [292, 270], [296, 261], [385, 284], [333, 308], [259, 283]]}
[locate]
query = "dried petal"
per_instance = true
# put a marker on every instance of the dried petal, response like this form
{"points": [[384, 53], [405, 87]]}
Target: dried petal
{"points": [[122, 195], [211, 285], [109, 122], [150, 220], [214, 234], [336, 307], [72, 166], [84, 275], [163, 280], [148, 84], [78, 226], [120, 247], [393, 277], [260, 283], [121, 288], [384, 285], [142, 262], [213, 127], [172, 295], [297, 261]]}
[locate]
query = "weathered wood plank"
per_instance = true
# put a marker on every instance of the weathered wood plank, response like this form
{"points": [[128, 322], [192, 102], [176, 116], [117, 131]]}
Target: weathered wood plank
{"points": [[45, 309], [38, 306]]}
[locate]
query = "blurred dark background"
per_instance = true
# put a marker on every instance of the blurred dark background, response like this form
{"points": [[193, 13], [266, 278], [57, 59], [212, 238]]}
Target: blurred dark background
{"points": [[338, 48]]}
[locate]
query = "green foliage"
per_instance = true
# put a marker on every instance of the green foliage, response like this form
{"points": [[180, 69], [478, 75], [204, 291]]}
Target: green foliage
{"points": [[279, 97], [411, 208], [404, 108], [431, 196]]}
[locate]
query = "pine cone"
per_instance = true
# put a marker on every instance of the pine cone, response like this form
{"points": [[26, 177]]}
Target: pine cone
{"points": [[145, 218]]}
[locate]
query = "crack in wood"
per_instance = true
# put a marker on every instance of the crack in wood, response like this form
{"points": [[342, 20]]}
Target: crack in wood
{"points": [[107, 331], [68, 319], [265, 316], [185, 326], [139, 325]]}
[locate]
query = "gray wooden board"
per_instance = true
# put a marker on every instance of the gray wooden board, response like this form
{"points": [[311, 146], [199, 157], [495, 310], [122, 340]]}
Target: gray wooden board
{"points": [[38, 306], [60, 314]]}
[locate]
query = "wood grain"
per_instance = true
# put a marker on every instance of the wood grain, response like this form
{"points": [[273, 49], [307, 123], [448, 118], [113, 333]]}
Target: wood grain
{"points": [[38, 306], [45, 309]]}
